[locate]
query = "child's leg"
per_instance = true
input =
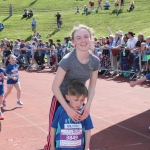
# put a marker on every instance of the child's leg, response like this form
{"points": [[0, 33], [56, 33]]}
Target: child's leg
{"points": [[9, 88], [18, 88], [1, 114], [1, 98], [48, 60]]}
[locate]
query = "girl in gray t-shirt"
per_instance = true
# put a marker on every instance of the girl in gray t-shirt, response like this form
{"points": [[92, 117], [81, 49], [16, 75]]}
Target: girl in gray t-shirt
{"points": [[77, 65]]}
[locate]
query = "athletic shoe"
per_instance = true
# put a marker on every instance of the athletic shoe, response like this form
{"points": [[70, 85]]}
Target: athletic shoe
{"points": [[4, 103], [1, 116], [19, 102]]}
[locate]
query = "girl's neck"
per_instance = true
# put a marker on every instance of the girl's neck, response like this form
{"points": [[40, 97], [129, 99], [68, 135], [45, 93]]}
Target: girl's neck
{"points": [[131, 37], [83, 56], [11, 64]]}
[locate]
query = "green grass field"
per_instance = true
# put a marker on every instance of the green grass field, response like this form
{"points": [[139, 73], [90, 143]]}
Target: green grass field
{"points": [[44, 10]]}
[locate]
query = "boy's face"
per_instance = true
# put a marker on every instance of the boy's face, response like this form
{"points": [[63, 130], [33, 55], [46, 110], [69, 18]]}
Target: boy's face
{"points": [[75, 102]]}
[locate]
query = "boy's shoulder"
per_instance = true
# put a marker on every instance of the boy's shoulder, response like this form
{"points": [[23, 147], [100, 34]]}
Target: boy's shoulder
{"points": [[60, 110]]}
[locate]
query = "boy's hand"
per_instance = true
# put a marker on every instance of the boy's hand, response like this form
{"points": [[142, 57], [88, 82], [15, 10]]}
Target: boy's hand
{"points": [[132, 83], [52, 148], [14, 78]]}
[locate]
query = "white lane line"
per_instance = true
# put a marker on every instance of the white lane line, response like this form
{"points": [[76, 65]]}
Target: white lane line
{"points": [[46, 132], [112, 123], [24, 116], [26, 125]]}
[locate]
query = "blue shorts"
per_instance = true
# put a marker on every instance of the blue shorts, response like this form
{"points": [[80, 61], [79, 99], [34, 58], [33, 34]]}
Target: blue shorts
{"points": [[148, 77], [11, 81]]}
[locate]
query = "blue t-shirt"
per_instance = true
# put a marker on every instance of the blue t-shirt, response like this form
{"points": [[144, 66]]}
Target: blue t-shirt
{"points": [[2, 82], [28, 53], [13, 71], [41, 51], [48, 51], [148, 76], [68, 132], [59, 50]]}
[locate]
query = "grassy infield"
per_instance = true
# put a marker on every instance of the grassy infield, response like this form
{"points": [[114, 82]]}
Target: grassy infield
{"points": [[44, 10]]}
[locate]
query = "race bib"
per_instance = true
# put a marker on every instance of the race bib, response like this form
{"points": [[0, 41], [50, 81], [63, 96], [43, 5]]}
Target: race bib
{"points": [[70, 138], [14, 73]]}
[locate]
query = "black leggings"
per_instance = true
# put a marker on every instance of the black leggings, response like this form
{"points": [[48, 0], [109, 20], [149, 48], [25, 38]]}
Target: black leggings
{"points": [[42, 61]]}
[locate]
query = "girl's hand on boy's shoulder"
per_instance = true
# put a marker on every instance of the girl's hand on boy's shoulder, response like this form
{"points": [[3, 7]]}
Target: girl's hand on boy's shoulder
{"points": [[74, 115], [85, 111]]}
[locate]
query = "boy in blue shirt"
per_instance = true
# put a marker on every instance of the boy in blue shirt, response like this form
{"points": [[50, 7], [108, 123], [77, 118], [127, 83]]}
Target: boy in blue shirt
{"points": [[65, 133]]}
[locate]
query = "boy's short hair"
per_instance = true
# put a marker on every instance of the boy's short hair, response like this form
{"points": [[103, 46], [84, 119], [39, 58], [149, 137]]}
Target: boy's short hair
{"points": [[78, 89]]}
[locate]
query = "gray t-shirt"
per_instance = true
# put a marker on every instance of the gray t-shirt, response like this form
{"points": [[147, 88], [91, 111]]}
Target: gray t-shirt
{"points": [[75, 70]]}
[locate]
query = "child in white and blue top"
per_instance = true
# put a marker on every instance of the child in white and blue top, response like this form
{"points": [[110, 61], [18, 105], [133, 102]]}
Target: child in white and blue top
{"points": [[65, 133], [12, 79], [2, 77]]}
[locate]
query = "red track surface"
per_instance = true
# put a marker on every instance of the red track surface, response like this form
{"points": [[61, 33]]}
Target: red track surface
{"points": [[121, 115]]}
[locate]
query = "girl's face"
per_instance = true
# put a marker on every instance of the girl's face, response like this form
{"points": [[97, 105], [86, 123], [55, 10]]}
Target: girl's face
{"points": [[125, 39], [103, 40], [82, 40], [148, 40], [129, 36], [12, 60], [110, 39], [52, 47]]}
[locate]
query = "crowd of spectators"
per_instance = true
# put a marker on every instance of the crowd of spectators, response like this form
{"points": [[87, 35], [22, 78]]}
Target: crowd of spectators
{"points": [[119, 51], [124, 52], [104, 5], [36, 49], [27, 13]]}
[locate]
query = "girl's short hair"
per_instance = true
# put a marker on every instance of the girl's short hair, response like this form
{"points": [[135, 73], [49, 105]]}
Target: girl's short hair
{"points": [[81, 26]]}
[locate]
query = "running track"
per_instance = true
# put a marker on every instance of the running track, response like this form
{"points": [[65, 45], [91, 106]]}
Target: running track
{"points": [[121, 115]]}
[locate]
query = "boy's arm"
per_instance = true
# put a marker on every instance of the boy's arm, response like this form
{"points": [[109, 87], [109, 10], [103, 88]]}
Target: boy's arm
{"points": [[132, 83], [53, 131], [87, 139]]}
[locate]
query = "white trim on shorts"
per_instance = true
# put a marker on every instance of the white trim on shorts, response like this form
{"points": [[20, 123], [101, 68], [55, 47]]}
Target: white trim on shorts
{"points": [[10, 85]]}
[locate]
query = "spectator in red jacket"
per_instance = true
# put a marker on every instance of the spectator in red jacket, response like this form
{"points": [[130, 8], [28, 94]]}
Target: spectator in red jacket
{"points": [[91, 3], [99, 4]]}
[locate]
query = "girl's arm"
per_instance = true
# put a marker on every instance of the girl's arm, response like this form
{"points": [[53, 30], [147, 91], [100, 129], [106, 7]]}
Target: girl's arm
{"points": [[91, 92], [132, 83], [87, 139], [53, 132], [9, 76], [3, 76], [56, 90], [109, 30]]}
